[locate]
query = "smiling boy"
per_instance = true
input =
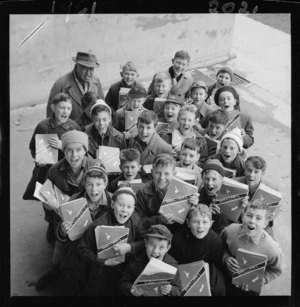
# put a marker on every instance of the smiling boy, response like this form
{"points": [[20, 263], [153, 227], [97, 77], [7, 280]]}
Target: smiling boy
{"points": [[148, 142], [217, 121], [157, 244], [252, 237], [198, 242], [105, 274]]}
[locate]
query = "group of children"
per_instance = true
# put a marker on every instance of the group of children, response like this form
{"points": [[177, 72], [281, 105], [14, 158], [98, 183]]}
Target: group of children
{"points": [[193, 113]]}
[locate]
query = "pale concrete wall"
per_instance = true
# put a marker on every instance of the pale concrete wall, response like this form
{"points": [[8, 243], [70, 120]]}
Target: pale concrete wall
{"points": [[150, 40]]}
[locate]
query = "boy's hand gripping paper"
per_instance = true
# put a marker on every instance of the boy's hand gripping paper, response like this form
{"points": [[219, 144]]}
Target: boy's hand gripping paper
{"points": [[230, 197], [123, 99], [194, 278], [177, 139], [176, 199], [158, 105], [107, 237], [186, 174], [77, 212], [156, 274], [110, 157], [213, 146], [161, 126], [135, 184], [43, 151], [233, 120], [268, 195], [252, 267], [131, 118]]}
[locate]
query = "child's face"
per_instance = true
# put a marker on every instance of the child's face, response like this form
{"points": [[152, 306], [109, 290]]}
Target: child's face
{"points": [[215, 130], [62, 111], [188, 157], [129, 169], [186, 122], [129, 76], [162, 176], [135, 104], [229, 150], [253, 175], [198, 95], [145, 131], [227, 101], [199, 225], [74, 153], [212, 181], [123, 207], [223, 78], [156, 247], [179, 65], [171, 111], [95, 187], [254, 221], [101, 121], [162, 88]]}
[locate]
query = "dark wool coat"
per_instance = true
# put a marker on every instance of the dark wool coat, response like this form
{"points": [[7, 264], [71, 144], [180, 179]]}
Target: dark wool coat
{"points": [[67, 84], [83, 121], [135, 267]]}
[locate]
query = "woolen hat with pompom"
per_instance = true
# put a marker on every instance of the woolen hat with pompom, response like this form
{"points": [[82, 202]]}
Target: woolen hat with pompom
{"points": [[236, 135]]}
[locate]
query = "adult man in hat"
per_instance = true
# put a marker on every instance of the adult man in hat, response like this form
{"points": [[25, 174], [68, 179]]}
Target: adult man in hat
{"points": [[77, 82]]}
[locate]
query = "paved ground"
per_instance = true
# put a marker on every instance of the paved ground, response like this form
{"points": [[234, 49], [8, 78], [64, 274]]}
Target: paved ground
{"points": [[266, 100]]}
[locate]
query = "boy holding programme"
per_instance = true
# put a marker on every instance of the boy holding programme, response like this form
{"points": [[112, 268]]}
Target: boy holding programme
{"points": [[87, 101], [151, 195], [136, 98], [186, 119], [189, 156], [212, 175], [181, 80], [224, 77], [67, 174], [59, 123], [129, 76], [228, 100], [250, 235], [197, 241], [101, 132], [148, 142], [130, 167], [231, 148], [105, 274], [157, 244]]}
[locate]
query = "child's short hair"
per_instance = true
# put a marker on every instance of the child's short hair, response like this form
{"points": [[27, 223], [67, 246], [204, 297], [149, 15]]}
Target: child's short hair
{"points": [[201, 209], [164, 160], [182, 54], [258, 162], [88, 99], [218, 117], [259, 205], [161, 77], [61, 97], [188, 108], [97, 170], [129, 155], [129, 66], [196, 144], [147, 117]]}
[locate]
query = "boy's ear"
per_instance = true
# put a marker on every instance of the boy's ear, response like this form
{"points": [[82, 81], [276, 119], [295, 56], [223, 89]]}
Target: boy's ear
{"points": [[52, 107], [112, 204], [172, 61], [121, 73], [169, 246], [187, 223], [198, 157]]}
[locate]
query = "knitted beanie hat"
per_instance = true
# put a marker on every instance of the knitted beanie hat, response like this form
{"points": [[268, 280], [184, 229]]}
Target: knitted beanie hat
{"points": [[97, 166], [137, 91], [226, 69], [101, 102], [75, 136], [236, 135], [213, 164], [226, 88], [126, 190]]}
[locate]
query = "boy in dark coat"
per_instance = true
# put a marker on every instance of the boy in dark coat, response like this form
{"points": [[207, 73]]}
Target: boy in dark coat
{"points": [[129, 76], [157, 243], [105, 274], [87, 101], [58, 123], [198, 242]]}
